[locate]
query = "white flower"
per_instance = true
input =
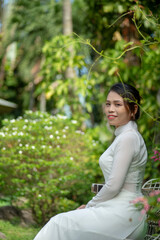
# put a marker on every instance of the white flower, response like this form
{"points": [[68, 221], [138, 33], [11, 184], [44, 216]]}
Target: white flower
{"points": [[61, 117], [14, 129], [71, 158], [39, 195], [20, 117], [20, 134], [43, 146], [14, 133], [51, 136], [58, 137], [12, 121], [66, 127], [74, 121], [64, 136], [20, 152], [27, 145], [56, 132], [50, 146], [24, 126], [80, 132], [19, 140], [26, 120], [48, 128], [4, 148], [2, 134], [58, 146], [89, 86], [33, 147], [64, 130], [20, 145]]}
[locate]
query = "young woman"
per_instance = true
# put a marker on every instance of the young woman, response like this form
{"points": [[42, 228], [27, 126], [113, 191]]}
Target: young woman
{"points": [[110, 215]]}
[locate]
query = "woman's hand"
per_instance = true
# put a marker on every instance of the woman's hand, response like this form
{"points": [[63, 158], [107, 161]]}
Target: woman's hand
{"points": [[82, 207]]}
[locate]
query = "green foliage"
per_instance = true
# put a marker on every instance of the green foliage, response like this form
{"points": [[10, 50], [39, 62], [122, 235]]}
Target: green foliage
{"points": [[150, 204], [17, 232], [28, 24], [121, 43], [153, 164], [8, 91], [49, 161], [60, 90]]}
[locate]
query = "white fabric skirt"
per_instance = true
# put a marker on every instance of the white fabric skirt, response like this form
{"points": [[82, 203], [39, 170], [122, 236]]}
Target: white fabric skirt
{"points": [[116, 219]]}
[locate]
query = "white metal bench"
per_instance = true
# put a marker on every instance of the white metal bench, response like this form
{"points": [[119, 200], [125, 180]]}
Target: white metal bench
{"points": [[149, 186]]}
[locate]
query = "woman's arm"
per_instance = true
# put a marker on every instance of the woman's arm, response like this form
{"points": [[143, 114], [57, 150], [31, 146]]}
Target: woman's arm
{"points": [[124, 152]]}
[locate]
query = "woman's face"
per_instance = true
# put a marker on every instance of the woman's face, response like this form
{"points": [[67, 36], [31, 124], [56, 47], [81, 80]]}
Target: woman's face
{"points": [[116, 111]]}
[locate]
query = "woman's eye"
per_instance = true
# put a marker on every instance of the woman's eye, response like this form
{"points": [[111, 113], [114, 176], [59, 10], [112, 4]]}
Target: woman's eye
{"points": [[118, 105], [107, 104]]}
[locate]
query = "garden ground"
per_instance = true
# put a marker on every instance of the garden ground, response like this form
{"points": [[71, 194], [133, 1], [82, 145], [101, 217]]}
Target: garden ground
{"points": [[14, 231]]}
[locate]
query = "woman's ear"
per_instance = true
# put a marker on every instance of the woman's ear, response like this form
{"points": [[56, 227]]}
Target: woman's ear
{"points": [[135, 109]]}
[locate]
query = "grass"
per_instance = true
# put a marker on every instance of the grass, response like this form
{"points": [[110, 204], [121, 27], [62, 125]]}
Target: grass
{"points": [[13, 230], [17, 232]]}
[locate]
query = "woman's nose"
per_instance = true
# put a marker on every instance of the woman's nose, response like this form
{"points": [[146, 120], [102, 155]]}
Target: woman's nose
{"points": [[111, 108]]}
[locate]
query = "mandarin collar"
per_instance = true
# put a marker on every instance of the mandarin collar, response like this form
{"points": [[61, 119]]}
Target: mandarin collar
{"points": [[129, 125]]}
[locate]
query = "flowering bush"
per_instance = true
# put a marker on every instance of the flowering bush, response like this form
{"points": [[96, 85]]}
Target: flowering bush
{"points": [[150, 205], [156, 156], [49, 161], [153, 164]]}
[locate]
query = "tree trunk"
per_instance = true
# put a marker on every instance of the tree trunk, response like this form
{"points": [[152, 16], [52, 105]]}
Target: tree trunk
{"points": [[67, 30], [31, 99], [67, 18], [1, 13], [130, 34], [43, 102]]}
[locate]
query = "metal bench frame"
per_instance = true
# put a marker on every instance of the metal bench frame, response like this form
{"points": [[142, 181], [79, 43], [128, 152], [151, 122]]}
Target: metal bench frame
{"points": [[149, 186]]}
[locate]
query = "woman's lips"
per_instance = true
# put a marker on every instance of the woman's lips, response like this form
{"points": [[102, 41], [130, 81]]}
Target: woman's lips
{"points": [[111, 117]]}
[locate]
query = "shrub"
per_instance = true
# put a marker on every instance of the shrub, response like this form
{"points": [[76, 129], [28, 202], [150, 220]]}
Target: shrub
{"points": [[150, 205], [49, 161], [153, 163]]}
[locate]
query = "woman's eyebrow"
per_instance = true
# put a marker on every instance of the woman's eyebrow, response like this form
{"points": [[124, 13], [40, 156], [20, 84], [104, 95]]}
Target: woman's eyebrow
{"points": [[114, 101]]}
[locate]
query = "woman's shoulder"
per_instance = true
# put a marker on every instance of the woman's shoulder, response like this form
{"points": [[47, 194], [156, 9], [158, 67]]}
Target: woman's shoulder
{"points": [[130, 134], [130, 137]]}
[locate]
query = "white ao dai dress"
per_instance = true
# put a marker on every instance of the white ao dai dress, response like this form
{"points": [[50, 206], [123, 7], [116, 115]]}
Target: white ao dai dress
{"points": [[110, 215]]}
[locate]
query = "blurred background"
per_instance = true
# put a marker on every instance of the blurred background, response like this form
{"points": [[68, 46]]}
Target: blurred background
{"points": [[62, 56]]}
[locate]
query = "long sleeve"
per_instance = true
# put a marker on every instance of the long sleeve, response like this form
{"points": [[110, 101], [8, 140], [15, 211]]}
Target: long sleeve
{"points": [[124, 152]]}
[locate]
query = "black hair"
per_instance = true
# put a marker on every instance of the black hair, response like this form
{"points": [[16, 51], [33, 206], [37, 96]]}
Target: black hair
{"points": [[130, 95]]}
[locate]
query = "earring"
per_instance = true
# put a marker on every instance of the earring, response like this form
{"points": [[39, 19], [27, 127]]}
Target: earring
{"points": [[132, 116]]}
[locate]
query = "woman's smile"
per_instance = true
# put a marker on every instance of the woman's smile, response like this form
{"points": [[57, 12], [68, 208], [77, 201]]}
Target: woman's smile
{"points": [[110, 117]]}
